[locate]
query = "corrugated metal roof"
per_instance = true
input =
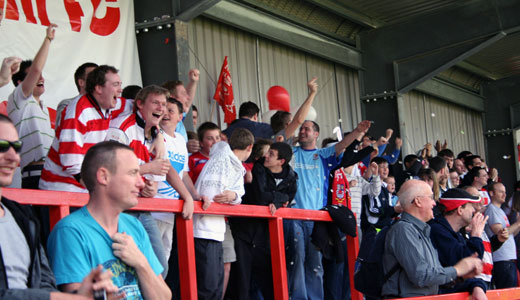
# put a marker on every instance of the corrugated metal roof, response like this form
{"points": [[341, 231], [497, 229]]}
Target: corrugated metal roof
{"points": [[501, 59], [391, 11]]}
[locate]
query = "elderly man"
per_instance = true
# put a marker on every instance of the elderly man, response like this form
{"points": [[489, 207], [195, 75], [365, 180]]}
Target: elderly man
{"points": [[408, 245], [99, 233], [23, 264]]}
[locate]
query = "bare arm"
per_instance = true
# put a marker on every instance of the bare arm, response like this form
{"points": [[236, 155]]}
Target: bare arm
{"points": [[38, 63], [186, 179], [357, 133], [513, 229], [175, 181], [194, 75], [302, 112]]}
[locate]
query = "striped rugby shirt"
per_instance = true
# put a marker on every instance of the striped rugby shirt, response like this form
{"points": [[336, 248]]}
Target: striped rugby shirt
{"points": [[32, 122], [84, 124]]}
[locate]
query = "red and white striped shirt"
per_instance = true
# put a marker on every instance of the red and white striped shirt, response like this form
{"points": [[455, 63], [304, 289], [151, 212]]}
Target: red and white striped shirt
{"points": [[487, 259], [83, 125]]}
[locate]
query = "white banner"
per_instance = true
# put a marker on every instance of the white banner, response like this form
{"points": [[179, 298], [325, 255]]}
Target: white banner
{"points": [[99, 31]]}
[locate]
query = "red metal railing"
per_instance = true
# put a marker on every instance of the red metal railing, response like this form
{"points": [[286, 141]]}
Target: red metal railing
{"points": [[60, 202]]}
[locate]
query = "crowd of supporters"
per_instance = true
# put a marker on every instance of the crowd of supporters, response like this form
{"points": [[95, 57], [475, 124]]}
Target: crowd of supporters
{"points": [[452, 228]]}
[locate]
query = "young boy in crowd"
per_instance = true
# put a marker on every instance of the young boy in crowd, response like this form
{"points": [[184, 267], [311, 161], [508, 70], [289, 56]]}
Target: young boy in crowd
{"points": [[273, 185], [209, 134], [390, 187], [221, 181], [177, 155]]}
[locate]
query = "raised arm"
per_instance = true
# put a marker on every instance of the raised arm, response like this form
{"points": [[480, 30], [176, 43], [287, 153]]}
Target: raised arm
{"points": [[36, 69], [357, 133], [302, 112], [193, 75]]}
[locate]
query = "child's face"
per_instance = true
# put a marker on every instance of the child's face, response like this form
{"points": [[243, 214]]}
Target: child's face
{"points": [[383, 170], [171, 117], [210, 137], [390, 181]]}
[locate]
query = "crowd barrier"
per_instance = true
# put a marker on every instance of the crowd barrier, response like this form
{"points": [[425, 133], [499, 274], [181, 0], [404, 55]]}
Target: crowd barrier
{"points": [[60, 202]]}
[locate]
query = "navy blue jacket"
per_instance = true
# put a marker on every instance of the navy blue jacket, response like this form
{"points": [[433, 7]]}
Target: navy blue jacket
{"points": [[452, 247]]}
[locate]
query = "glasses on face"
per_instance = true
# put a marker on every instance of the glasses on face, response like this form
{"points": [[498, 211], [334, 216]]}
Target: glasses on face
{"points": [[5, 145]]}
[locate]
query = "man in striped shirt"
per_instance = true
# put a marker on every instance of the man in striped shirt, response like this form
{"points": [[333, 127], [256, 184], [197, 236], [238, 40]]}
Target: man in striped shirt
{"points": [[85, 123], [30, 115]]}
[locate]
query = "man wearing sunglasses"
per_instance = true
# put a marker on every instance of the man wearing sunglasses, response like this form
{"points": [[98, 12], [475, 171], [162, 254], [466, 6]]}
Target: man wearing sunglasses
{"points": [[23, 264], [409, 247]]}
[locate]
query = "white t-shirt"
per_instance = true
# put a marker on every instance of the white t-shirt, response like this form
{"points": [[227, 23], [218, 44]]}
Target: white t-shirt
{"points": [[177, 154]]}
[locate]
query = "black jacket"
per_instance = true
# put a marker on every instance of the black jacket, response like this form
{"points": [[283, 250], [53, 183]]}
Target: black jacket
{"points": [[263, 191], [41, 279]]}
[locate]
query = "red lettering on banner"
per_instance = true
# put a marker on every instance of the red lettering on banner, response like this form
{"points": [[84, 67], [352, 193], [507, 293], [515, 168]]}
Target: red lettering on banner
{"points": [[75, 13], [28, 11], [27, 6], [109, 23], [11, 11], [41, 6]]}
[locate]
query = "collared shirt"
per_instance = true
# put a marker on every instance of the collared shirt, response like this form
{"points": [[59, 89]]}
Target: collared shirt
{"points": [[408, 244]]}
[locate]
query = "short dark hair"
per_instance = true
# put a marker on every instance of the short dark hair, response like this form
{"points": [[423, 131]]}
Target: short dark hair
{"points": [[379, 160], [102, 154], [191, 135], [20, 75], [151, 90], [130, 91], [98, 77], [410, 159], [315, 125], [472, 174], [279, 120], [206, 126], [491, 187], [248, 109], [176, 102], [257, 148], [194, 108], [240, 139], [80, 72], [284, 151], [171, 85], [446, 153], [437, 163], [463, 154], [468, 161]]}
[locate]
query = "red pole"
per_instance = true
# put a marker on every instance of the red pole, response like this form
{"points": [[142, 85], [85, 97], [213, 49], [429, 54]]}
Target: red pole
{"points": [[281, 289], [186, 250], [57, 213], [352, 250]]}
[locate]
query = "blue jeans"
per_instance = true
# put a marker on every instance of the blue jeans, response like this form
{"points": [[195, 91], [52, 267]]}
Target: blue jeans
{"points": [[150, 226], [305, 271]]}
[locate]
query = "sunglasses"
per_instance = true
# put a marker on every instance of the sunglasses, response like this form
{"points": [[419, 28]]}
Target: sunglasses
{"points": [[5, 145]]}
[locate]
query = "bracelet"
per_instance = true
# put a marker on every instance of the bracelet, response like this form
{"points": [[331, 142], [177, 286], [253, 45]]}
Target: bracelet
{"points": [[50, 40]]}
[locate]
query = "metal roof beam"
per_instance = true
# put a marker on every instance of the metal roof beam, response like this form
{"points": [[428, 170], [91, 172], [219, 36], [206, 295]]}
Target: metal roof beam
{"points": [[286, 33], [346, 13], [401, 56]]}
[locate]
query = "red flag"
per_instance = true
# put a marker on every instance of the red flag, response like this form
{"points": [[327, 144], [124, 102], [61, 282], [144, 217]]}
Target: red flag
{"points": [[224, 94]]}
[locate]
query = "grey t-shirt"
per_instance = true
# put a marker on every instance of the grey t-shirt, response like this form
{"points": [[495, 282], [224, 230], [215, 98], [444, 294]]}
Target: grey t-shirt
{"points": [[15, 251], [498, 216]]}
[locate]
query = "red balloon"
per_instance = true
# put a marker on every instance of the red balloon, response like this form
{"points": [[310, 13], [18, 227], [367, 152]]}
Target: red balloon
{"points": [[278, 98]]}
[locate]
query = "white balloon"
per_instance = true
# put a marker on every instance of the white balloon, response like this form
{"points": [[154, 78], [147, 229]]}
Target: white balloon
{"points": [[266, 116], [311, 115]]}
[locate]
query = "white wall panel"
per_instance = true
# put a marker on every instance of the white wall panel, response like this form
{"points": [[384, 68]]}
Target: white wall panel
{"points": [[275, 64], [428, 119]]}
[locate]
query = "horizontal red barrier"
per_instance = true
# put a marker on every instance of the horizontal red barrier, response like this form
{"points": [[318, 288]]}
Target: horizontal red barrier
{"points": [[60, 202]]}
